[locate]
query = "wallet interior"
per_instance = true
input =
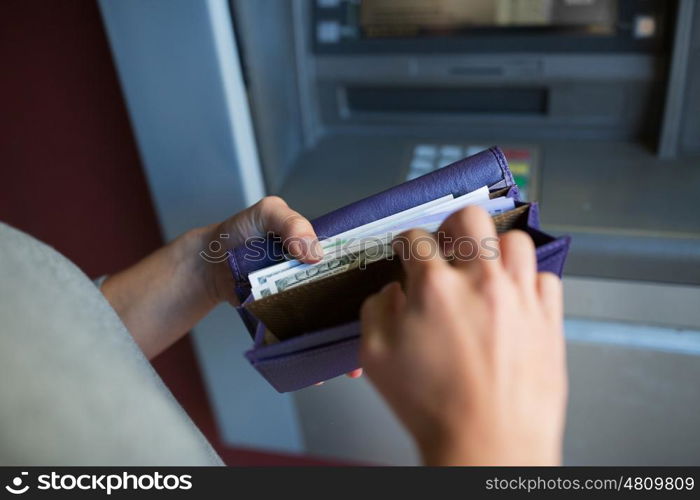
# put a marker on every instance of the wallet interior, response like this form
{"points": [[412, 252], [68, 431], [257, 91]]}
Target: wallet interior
{"points": [[337, 299]]}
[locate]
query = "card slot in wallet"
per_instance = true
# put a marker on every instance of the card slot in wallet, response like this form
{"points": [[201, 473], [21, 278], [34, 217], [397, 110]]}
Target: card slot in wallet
{"points": [[337, 299]]}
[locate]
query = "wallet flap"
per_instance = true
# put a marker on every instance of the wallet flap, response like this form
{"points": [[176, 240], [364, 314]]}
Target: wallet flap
{"points": [[488, 168]]}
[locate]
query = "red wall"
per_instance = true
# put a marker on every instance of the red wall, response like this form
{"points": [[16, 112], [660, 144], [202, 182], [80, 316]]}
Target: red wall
{"points": [[70, 173]]}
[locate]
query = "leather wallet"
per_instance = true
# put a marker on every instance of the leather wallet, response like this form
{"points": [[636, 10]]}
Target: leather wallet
{"points": [[315, 326]]}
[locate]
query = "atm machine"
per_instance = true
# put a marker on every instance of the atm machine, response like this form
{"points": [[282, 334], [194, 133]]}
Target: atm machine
{"points": [[596, 104]]}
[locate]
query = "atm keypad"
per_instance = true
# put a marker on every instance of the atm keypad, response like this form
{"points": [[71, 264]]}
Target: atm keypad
{"points": [[427, 157]]}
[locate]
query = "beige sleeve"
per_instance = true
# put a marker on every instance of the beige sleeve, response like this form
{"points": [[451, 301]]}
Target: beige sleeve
{"points": [[74, 387]]}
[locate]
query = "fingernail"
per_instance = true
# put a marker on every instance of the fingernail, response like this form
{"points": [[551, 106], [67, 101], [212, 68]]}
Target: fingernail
{"points": [[296, 249], [305, 248], [312, 250]]}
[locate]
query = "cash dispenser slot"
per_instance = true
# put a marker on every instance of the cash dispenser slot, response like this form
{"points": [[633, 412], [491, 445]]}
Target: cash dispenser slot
{"points": [[463, 100]]}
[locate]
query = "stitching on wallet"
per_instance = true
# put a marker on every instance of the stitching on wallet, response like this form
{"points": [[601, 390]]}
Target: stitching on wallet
{"points": [[239, 275], [553, 245], [502, 165], [559, 260], [313, 340], [286, 359]]}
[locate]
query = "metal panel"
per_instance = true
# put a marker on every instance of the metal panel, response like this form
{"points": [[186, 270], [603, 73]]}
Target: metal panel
{"points": [[673, 113], [630, 403], [690, 126], [267, 44], [669, 305], [633, 399]]}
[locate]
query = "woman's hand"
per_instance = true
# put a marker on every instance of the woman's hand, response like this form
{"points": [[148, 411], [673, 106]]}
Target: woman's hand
{"points": [[269, 215], [471, 355], [162, 297]]}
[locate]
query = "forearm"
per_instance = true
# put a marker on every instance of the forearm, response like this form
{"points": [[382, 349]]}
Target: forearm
{"points": [[162, 297]]}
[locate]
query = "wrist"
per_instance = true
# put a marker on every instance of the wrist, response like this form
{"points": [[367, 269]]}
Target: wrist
{"points": [[483, 445], [210, 253], [197, 265], [444, 447], [164, 295]]}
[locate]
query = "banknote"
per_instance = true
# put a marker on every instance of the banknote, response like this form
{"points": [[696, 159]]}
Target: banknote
{"points": [[370, 242], [432, 221], [358, 257], [362, 252], [335, 244]]}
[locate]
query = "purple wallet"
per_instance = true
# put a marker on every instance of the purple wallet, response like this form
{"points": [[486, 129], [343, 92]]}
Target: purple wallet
{"points": [[315, 326]]}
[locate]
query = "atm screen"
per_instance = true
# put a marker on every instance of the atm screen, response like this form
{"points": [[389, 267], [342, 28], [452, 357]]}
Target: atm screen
{"points": [[415, 18], [390, 26]]}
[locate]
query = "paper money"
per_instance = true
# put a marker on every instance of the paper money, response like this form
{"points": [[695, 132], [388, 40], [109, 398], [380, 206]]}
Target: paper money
{"points": [[369, 243], [431, 222], [331, 246], [358, 257], [334, 245]]}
